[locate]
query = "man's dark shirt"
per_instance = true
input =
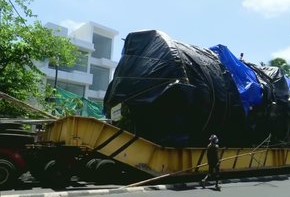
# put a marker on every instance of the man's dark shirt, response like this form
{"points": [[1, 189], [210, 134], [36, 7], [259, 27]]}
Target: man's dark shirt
{"points": [[212, 154]]}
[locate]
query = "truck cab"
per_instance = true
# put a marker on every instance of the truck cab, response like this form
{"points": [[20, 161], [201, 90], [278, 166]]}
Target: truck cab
{"points": [[12, 152]]}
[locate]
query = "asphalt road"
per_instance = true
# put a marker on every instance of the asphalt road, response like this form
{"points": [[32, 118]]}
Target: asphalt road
{"points": [[244, 189], [267, 186]]}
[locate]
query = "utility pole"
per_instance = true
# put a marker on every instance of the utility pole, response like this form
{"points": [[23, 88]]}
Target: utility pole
{"points": [[56, 72], [55, 84], [56, 75]]}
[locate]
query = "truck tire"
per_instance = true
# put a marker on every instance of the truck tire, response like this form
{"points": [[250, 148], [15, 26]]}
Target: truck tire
{"points": [[87, 171], [56, 175], [7, 173], [106, 172], [91, 165], [105, 164], [37, 169]]}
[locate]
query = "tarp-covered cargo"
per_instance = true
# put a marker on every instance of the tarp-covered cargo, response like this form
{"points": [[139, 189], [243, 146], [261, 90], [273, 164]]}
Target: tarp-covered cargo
{"points": [[176, 94], [245, 79]]}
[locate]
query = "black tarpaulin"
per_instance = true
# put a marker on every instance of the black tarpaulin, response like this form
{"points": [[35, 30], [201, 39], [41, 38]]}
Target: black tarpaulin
{"points": [[176, 94]]}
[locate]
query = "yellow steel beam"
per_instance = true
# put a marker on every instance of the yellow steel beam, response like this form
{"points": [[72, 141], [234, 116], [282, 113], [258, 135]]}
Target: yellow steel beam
{"points": [[152, 158]]}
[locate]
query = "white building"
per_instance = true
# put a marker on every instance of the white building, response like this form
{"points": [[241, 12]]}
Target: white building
{"points": [[93, 72]]}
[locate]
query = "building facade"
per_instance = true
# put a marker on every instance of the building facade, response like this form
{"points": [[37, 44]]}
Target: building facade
{"points": [[94, 70]]}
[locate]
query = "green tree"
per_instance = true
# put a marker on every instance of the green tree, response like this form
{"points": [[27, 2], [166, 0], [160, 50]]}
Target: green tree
{"points": [[22, 44], [281, 63]]}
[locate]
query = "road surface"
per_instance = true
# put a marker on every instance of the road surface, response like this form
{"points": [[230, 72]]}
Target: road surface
{"points": [[266, 187]]}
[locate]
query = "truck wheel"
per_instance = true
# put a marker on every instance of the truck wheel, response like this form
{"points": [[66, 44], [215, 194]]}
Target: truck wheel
{"points": [[106, 172], [91, 165], [88, 169], [7, 173], [56, 175]]}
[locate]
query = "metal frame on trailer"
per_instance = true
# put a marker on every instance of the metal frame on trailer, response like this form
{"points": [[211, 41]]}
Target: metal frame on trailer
{"points": [[153, 159]]}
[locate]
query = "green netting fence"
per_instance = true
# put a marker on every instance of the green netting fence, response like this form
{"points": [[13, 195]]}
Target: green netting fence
{"points": [[70, 103]]}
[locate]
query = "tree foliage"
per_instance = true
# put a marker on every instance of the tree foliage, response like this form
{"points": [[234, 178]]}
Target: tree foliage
{"points": [[281, 63], [22, 44]]}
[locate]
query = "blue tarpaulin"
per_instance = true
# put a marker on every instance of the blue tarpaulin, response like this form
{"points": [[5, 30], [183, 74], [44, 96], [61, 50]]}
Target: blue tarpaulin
{"points": [[244, 77], [288, 82]]}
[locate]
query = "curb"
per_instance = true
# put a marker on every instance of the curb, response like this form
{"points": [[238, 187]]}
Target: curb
{"points": [[178, 186], [193, 185]]}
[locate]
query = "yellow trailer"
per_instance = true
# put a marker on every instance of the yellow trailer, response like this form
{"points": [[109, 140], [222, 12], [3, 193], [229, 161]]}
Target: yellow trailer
{"points": [[141, 154]]}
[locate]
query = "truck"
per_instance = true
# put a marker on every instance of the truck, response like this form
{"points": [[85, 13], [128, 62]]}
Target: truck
{"points": [[95, 150], [164, 101]]}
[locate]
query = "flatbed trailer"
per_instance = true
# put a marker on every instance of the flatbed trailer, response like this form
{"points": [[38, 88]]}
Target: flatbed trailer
{"points": [[94, 150], [126, 148]]}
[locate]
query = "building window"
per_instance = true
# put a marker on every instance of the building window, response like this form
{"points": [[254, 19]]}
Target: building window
{"points": [[102, 46], [81, 64], [74, 88], [100, 78]]}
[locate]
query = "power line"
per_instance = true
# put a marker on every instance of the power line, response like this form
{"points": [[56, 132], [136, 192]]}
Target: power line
{"points": [[23, 20]]}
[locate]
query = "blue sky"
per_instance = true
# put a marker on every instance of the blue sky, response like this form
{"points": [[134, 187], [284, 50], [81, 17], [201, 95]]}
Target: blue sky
{"points": [[258, 28]]}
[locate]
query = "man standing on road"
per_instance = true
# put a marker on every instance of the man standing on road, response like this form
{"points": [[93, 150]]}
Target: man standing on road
{"points": [[213, 161]]}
